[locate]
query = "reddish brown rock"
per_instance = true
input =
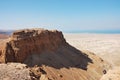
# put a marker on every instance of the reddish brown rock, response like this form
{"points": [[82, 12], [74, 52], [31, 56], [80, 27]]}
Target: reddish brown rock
{"points": [[25, 42], [49, 50]]}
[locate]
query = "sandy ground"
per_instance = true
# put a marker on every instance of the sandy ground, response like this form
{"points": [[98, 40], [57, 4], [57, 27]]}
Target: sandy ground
{"points": [[113, 74], [107, 46]]}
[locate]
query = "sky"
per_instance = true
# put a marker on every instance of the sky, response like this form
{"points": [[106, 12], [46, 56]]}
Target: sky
{"points": [[64, 15]]}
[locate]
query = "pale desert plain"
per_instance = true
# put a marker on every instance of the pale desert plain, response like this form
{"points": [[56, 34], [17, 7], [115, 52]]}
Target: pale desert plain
{"points": [[107, 46]]}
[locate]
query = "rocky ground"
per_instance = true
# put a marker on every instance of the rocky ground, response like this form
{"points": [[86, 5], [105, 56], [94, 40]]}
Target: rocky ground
{"points": [[14, 71]]}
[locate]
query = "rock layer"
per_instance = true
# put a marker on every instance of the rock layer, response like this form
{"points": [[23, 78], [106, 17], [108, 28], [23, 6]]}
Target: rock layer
{"points": [[25, 42]]}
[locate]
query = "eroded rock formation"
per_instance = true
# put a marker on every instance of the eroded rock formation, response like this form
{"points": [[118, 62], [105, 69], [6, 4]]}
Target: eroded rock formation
{"points": [[49, 50], [25, 42]]}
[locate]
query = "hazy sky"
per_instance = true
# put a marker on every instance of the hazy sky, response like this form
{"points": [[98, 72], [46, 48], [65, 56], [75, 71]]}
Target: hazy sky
{"points": [[66, 15]]}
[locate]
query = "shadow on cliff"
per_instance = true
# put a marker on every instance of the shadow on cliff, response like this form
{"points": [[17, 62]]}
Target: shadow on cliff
{"points": [[65, 56]]}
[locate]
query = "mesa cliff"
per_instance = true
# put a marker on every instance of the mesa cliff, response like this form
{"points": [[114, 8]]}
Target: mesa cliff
{"points": [[51, 53], [25, 42]]}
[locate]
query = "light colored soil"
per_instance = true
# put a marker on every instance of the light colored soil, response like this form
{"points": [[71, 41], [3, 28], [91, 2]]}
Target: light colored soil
{"points": [[106, 46], [113, 74]]}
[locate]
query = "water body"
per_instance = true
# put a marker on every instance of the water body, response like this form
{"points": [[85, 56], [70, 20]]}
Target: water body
{"points": [[95, 31]]}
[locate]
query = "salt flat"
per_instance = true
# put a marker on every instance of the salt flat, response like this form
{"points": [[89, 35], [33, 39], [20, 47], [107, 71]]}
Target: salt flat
{"points": [[107, 46]]}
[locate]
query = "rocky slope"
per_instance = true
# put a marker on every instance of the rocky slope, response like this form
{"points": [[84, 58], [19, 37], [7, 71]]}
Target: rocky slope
{"points": [[14, 71], [56, 59]]}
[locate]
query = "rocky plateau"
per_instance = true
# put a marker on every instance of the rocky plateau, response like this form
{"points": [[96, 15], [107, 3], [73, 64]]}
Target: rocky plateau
{"points": [[40, 54]]}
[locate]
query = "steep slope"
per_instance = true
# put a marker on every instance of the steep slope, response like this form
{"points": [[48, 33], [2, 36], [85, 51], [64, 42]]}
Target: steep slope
{"points": [[50, 51]]}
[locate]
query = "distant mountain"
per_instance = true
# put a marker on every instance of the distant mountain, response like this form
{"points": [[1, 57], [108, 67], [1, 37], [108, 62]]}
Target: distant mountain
{"points": [[7, 32]]}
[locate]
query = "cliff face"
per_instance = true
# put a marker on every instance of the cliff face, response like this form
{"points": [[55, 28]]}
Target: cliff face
{"points": [[25, 42], [50, 51]]}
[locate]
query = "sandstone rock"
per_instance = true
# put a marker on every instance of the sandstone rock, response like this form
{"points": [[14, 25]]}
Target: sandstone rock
{"points": [[11, 72], [25, 42], [55, 57], [43, 77], [18, 71]]}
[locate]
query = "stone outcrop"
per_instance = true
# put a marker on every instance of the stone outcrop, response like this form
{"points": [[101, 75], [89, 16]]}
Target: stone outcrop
{"points": [[25, 42], [14, 71], [56, 59]]}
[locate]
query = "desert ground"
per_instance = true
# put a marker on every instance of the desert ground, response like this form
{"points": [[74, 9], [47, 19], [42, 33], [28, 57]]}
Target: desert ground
{"points": [[107, 46]]}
